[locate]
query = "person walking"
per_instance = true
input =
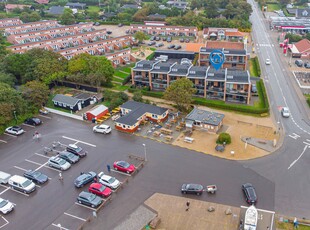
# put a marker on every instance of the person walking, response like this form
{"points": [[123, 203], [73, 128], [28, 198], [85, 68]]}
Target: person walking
{"points": [[60, 176], [187, 205], [109, 168]]}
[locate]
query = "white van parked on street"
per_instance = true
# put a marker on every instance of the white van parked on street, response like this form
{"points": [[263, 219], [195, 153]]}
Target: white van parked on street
{"points": [[22, 184]]}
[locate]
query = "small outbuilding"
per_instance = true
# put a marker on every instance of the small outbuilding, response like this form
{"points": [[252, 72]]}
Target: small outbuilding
{"points": [[67, 102], [97, 112], [204, 120]]}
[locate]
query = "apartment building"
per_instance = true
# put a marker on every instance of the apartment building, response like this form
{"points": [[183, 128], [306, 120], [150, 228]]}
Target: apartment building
{"points": [[6, 22], [161, 28], [60, 43], [228, 34], [39, 35], [224, 84], [31, 26], [235, 54]]}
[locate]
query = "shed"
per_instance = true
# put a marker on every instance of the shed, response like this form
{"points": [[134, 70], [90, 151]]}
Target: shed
{"points": [[97, 112]]}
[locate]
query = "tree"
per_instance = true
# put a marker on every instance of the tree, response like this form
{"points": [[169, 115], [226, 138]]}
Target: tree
{"points": [[93, 15], [7, 78], [30, 17], [308, 36], [17, 65], [223, 137], [67, 18], [35, 92], [3, 50], [140, 36], [180, 92], [137, 96]]}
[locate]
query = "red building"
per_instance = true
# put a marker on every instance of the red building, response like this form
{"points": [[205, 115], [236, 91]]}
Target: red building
{"points": [[97, 112]]}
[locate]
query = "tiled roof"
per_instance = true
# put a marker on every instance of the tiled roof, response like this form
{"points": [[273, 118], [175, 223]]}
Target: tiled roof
{"points": [[194, 47], [179, 70], [303, 46], [13, 6], [216, 75], [161, 67], [234, 34], [225, 45], [237, 76], [206, 117], [71, 101], [42, 1]]}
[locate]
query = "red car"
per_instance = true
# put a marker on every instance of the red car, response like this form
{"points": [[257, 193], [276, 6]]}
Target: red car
{"points": [[124, 167], [100, 190]]}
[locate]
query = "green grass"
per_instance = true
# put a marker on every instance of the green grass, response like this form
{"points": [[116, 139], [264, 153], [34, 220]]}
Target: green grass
{"points": [[253, 68], [290, 226], [117, 80], [272, 7], [121, 74], [121, 87], [106, 103], [126, 69], [93, 9]]}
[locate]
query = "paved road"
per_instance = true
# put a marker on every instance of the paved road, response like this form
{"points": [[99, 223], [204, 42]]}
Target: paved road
{"points": [[167, 168], [289, 166]]}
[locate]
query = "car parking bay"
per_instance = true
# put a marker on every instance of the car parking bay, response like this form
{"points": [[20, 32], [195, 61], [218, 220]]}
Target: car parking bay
{"points": [[67, 221], [3, 222]]}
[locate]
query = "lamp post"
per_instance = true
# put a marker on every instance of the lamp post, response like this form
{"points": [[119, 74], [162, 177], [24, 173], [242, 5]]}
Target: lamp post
{"points": [[14, 112], [144, 146]]}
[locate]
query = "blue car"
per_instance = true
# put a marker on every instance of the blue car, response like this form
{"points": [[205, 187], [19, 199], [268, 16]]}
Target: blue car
{"points": [[84, 179]]}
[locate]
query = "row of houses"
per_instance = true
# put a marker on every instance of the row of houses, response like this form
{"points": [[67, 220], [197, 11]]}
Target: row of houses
{"points": [[223, 84], [9, 22]]}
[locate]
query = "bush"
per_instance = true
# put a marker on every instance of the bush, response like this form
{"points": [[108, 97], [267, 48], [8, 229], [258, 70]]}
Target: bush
{"points": [[223, 137], [137, 96], [257, 65]]}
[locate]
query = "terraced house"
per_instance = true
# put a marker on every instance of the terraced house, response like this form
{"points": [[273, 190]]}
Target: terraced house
{"points": [[224, 84], [6, 22]]}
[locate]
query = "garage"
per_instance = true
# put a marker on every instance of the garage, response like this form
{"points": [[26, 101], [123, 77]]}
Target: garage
{"points": [[97, 112]]}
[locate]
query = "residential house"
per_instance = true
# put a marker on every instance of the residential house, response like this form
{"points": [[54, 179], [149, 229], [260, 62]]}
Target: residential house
{"points": [[122, 57], [133, 113], [42, 2], [161, 28], [182, 5], [159, 75], [197, 75], [228, 34], [56, 10], [303, 13], [6, 22], [11, 7], [301, 49], [157, 17], [130, 6], [235, 54], [204, 120], [76, 5]]}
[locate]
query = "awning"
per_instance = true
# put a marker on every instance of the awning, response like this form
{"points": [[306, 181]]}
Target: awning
{"points": [[189, 124]]}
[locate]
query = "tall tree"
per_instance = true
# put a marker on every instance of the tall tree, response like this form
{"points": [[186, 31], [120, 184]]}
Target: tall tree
{"points": [[67, 18], [7, 78], [180, 92], [35, 92], [101, 71], [140, 36]]}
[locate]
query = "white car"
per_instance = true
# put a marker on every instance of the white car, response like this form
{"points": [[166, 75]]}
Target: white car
{"points": [[14, 130], [58, 163], [268, 62], [105, 129], [108, 181], [285, 112], [6, 206]]}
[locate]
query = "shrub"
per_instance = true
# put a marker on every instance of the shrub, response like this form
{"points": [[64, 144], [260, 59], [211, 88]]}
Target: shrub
{"points": [[223, 137], [137, 96], [257, 65]]}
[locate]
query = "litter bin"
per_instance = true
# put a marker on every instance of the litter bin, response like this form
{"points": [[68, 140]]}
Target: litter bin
{"points": [[93, 120]]}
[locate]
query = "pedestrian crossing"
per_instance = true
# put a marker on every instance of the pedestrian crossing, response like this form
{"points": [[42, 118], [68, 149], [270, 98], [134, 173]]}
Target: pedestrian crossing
{"points": [[265, 45]]}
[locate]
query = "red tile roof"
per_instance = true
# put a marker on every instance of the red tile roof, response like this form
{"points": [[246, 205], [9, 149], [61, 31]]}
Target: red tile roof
{"points": [[225, 45], [14, 6], [234, 34], [42, 1], [194, 47], [303, 46]]}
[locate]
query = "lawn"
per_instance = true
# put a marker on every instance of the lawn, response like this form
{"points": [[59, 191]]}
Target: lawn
{"points": [[289, 226], [252, 67], [93, 9], [121, 87], [121, 74], [272, 7], [117, 80]]}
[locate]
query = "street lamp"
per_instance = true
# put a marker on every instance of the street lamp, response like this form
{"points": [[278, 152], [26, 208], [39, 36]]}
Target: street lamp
{"points": [[144, 146]]}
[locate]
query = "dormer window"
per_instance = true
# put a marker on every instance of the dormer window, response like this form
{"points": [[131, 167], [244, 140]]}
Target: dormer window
{"points": [[192, 72], [140, 65], [156, 67], [174, 70]]}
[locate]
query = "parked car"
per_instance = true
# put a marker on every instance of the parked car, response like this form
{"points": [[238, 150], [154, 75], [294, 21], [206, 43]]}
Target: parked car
{"points": [[164, 39], [100, 190], [76, 150], [268, 62], [307, 65], [152, 38], [89, 199], [36, 176], [124, 166], [192, 189], [43, 111], [285, 112], [109, 32], [21, 184], [177, 47], [169, 39], [171, 46], [159, 44], [84, 179], [249, 193], [6, 206], [58, 163], [157, 38], [120, 25], [151, 43], [14, 130], [105, 129], [109, 181], [182, 40], [187, 40], [299, 63], [33, 121], [4, 177], [70, 157], [96, 24], [254, 89]]}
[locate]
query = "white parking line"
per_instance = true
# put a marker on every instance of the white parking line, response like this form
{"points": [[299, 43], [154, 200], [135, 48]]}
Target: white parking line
{"points": [[10, 135], [305, 148], [4, 191], [38, 154], [20, 168], [86, 206], [44, 116], [79, 218], [126, 174], [41, 166], [3, 141], [69, 138], [52, 168], [33, 162], [6, 222], [14, 190], [29, 125], [59, 226]]}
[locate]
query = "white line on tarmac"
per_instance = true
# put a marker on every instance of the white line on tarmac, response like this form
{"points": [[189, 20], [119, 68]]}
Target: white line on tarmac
{"points": [[60, 226], [305, 148], [46, 166], [41, 166], [25, 170], [86, 206], [33, 162], [69, 138], [4, 191], [38, 154], [10, 135], [3, 141], [44, 116], [262, 210], [79, 218], [14, 190], [6, 222], [306, 143], [29, 125], [126, 174]]}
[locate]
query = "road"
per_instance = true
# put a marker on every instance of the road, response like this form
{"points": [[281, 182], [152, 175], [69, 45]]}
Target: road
{"points": [[289, 166], [167, 168]]}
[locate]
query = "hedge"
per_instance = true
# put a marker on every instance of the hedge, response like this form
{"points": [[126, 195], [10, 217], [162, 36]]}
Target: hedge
{"points": [[151, 56], [262, 94], [257, 66], [308, 101]]}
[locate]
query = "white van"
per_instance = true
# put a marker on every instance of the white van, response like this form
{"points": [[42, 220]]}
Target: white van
{"points": [[4, 177], [22, 184]]}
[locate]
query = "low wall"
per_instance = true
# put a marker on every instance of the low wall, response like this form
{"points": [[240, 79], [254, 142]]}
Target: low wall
{"points": [[77, 117]]}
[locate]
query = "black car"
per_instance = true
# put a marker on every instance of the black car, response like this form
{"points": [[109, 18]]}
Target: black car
{"points": [[157, 38], [84, 179], [164, 39], [177, 47], [76, 150], [36, 176], [299, 63], [70, 157], [33, 121], [171, 46], [249, 193], [187, 40], [307, 65], [151, 43], [181, 39], [109, 32], [192, 189], [89, 199]]}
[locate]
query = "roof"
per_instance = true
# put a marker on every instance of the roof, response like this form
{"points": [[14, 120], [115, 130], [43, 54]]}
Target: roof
{"points": [[161, 67], [144, 65], [303, 13], [56, 10], [83, 96], [157, 16], [237, 76], [130, 6], [179, 70], [197, 72], [194, 47], [234, 34], [207, 117], [303, 46], [98, 109], [13, 6], [225, 45], [137, 110], [216, 75], [42, 1], [71, 101], [291, 11], [76, 4]]}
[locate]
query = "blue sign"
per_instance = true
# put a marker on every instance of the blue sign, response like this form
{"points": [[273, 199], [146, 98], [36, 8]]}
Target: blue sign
{"points": [[217, 59]]}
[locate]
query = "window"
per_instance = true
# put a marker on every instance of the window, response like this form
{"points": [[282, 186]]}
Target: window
{"points": [[192, 72], [124, 126], [154, 116]]}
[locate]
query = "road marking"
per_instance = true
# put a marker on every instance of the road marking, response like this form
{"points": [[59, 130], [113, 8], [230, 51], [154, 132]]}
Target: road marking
{"points": [[38, 154], [57, 170], [79, 218], [29, 125], [21, 168], [6, 222], [10, 135], [44, 116], [305, 148], [41, 166], [4, 191], [294, 136], [126, 174], [33, 162], [306, 143], [60, 226], [69, 138], [3, 141], [14, 190], [262, 210], [86, 206]]}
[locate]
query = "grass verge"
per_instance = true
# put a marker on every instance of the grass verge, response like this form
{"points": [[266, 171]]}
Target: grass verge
{"points": [[253, 68]]}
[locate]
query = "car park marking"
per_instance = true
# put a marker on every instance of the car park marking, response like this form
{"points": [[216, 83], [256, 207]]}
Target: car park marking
{"points": [[305, 148], [10, 135], [126, 174], [69, 138], [79, 218], [4, 191], [29, 125], [25, 170], [60, 227], [6, 222], [3, 141], [38, 154], [44, 116], [294, 136], [86, 206], [14, 190], [33, 162]]}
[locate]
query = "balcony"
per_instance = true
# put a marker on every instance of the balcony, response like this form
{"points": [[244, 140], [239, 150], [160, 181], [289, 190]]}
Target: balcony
{"points": [[160, 81], [199, 86], [139, 78], [215, 95], [214, 89], [235, 61], [236, 92]]}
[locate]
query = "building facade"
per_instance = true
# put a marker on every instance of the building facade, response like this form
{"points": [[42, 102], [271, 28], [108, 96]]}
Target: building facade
{"points": [[228, 34], [7, 22]]}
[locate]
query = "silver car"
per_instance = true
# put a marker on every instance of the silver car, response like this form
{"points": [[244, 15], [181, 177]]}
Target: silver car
{"points": [[108, 181], [285, 112], [58, 163]]}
